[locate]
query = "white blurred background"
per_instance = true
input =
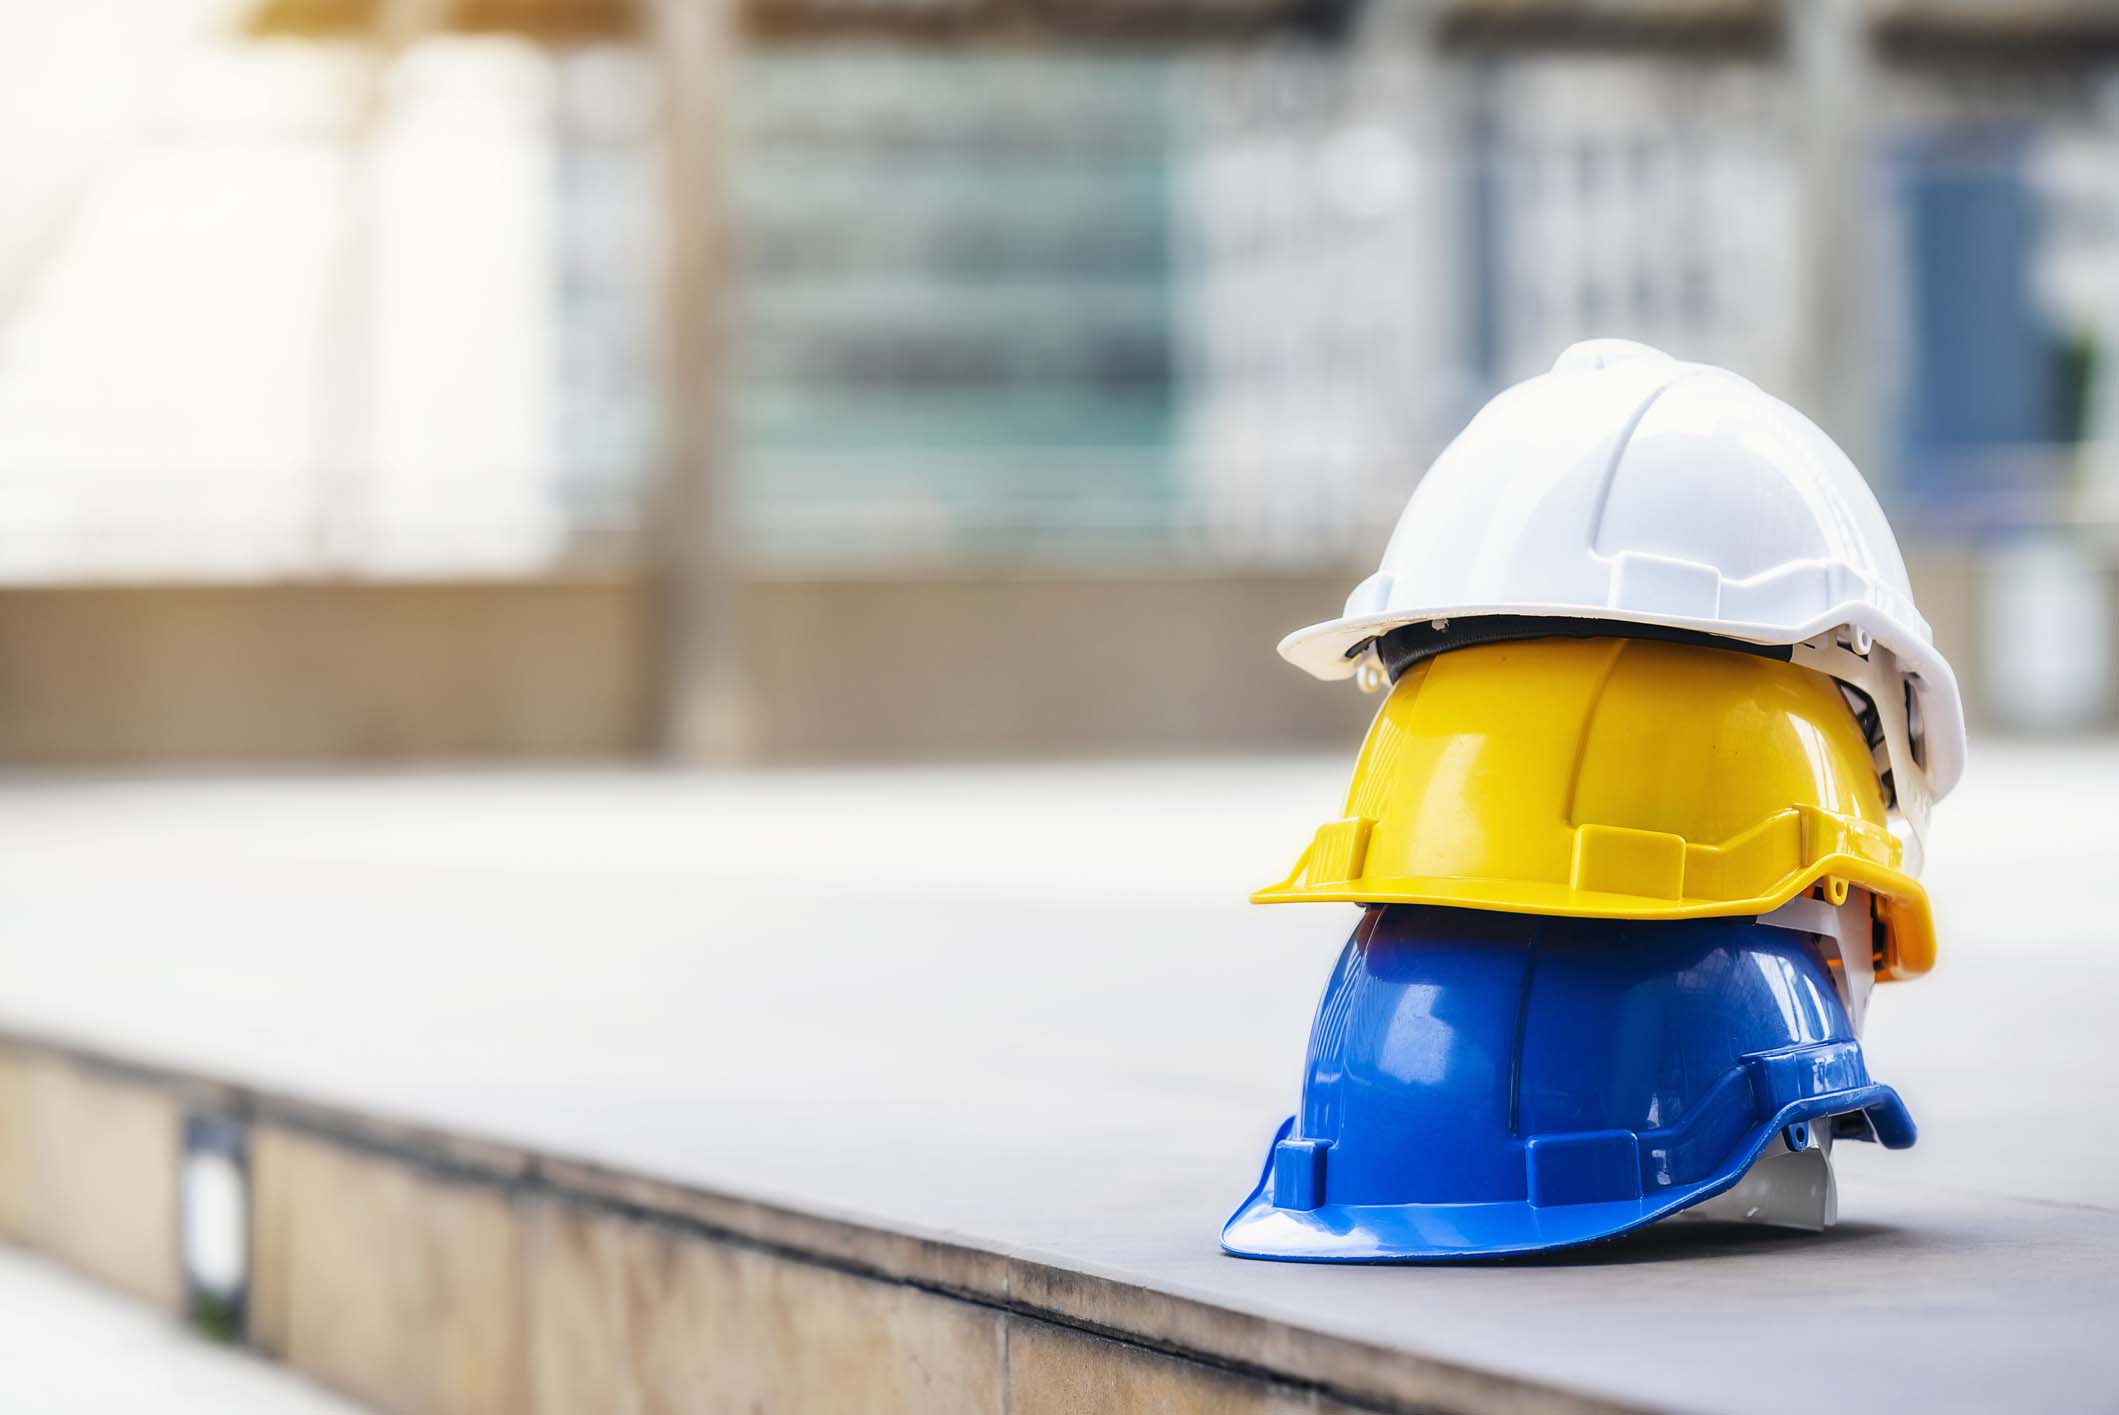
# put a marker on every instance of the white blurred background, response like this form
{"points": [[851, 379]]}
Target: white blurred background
{"points": [[455, 378]]}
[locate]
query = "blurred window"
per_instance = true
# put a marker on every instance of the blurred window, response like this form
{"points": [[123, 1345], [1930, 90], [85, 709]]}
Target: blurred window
{"points": [[300, 306]]}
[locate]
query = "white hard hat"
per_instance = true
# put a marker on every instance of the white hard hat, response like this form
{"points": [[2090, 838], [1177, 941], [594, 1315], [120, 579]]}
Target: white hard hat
{"points": [[1627, 488]]}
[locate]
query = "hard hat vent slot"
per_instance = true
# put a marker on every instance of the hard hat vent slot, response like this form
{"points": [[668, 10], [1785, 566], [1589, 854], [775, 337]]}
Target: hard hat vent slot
{"points": [[1783, 1077], [1298, 1173], [1656, 584], [1339, 850], [1611, 859], [1592, 1168]]}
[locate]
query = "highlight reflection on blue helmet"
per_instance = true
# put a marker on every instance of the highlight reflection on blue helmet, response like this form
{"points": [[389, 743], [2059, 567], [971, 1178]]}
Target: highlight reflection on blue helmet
{"points": [[1484, 1083]]}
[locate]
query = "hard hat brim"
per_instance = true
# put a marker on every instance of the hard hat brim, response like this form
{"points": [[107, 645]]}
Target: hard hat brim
{"points": [[1414, 1233], [1909, 920]]}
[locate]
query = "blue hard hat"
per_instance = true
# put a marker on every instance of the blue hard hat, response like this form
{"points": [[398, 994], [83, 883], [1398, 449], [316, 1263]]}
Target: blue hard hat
{"points": [[1484, 1083]]}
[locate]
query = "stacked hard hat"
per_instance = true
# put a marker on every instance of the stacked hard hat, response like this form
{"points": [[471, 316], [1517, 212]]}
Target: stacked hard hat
{"points": [[1635, 830]]}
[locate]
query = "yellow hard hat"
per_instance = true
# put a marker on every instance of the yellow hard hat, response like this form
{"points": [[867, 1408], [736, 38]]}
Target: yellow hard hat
{"points": [[1616, 778]]}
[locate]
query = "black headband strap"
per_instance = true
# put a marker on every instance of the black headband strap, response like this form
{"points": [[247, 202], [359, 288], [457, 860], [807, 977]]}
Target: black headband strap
{"points": [[1408, 644]]}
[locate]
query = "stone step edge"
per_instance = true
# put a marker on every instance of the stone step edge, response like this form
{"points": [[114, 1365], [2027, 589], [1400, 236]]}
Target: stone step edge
{"points": [[91, 1152]]}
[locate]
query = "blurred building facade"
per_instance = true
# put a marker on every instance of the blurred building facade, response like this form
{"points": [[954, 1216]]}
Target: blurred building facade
{"points": [[1066, 360]]}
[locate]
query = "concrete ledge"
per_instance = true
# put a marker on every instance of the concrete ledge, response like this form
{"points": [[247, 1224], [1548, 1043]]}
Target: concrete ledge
{"points": [[949, 667], [421, 1271], [273, 672], [957, 668]]}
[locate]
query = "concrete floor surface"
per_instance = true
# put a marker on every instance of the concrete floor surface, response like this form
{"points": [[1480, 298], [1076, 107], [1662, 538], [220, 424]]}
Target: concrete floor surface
{"points": [[1029, 1008]]}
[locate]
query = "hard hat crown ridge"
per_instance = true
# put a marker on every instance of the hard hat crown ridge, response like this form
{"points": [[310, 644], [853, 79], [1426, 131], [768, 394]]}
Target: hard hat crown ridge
{"points": [[1589, 355], [1629, 487]]}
